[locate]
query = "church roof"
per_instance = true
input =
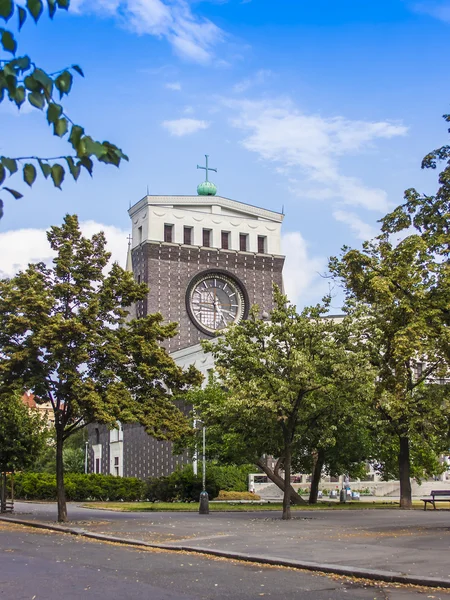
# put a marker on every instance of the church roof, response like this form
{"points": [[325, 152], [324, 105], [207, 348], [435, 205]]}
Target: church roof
{"points": [[207, 201]]}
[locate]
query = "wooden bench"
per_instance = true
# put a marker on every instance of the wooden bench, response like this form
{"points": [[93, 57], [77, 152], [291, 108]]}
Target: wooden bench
{"points": [[436, 496]]}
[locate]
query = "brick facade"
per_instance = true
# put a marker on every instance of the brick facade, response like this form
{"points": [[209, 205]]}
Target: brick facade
{"points": [[168, 269]]}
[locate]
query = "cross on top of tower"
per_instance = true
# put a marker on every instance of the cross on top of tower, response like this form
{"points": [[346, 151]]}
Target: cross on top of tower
{"points": [[207, 168], [207, 188]]}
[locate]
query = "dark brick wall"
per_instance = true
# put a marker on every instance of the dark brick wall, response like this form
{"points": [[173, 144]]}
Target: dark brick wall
{"points": [[143, 456], [168, 269]]}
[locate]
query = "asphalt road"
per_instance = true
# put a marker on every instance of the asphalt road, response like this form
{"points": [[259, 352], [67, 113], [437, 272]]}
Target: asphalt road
{"points": [[36, 565]]}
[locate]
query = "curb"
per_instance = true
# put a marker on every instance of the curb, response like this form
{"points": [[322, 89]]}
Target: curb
{"points": [[372, 574]]}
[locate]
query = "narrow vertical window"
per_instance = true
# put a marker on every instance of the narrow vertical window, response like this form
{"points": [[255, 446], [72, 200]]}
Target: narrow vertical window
{"points": [[187, 236], [97, 465], [140, 234], [207, 238], [225, 240], [168, 233], [243, 237], [262, 244]]}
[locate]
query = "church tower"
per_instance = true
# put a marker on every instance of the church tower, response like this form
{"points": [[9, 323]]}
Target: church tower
{"points": [[206, 260]]}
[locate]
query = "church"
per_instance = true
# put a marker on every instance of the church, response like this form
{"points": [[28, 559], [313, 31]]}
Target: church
{"points": [[206, 260]]}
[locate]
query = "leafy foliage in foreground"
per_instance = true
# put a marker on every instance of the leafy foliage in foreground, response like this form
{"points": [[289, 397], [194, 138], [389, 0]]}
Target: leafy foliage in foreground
{"points": [[23, 81]]}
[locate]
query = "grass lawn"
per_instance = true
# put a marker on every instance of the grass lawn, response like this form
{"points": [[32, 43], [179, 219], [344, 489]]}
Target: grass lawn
{"points": [[235, 506]]}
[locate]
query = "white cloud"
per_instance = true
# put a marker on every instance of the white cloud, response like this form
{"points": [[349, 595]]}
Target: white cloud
{"points": [[313, 144], [192, 37], [175, 86], [301, 274], [19, 247], [438, 10], [259, 78], [180, 127], [362, 230]]}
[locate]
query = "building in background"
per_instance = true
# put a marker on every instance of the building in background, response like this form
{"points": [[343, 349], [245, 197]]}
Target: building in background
{"points": [[206, 260]]}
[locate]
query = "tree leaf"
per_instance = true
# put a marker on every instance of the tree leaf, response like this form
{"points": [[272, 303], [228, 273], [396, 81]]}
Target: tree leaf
{"points": [[63, 83], [10, 164], [8, 42], [87, 164], [57, 174], [17, 195], [1, 208], [23, 63], [31, 84], [22, 16], [6, 9], [42, 77], [29, 174], [75, 135], [45, 168], [36, 99], [35, 8], [78, 70], [19, 96], [73, 168], [63, 4], [95, 148], [51, 8], [60, 127], [2, 173], [54, 112]]}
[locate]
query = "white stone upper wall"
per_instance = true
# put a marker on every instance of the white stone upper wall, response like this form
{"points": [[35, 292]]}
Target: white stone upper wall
{"points": [[215, 213]]}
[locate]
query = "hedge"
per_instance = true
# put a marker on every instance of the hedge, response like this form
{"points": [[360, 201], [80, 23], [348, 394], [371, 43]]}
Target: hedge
{"points": [[42, 486], [182, 485]]}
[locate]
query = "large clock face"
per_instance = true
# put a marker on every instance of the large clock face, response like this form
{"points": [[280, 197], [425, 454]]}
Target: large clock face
{"points": [[216, 300]]}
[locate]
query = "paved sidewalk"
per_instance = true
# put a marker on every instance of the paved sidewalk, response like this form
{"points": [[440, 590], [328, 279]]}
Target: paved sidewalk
{"points": [[410, 546]]}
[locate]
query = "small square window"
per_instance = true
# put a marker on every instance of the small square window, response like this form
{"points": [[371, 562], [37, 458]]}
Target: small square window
{"points": [[262, 244], [243, 239], [168, 233], [187, 236], [225, 240], [207, 238]]}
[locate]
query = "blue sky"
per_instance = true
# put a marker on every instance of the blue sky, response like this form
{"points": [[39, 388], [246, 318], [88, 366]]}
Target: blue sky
{"points": [[324, 108]]}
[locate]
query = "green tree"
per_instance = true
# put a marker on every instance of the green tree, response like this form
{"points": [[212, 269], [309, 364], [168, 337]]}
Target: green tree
{"points": [[22, 80], [403, 345], [402, 279], [23, 435], [64, 334], [273, 372], [423, 221]]}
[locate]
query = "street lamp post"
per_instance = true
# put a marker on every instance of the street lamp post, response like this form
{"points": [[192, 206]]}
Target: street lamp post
{"points": [[86, 457], [204, 499]]}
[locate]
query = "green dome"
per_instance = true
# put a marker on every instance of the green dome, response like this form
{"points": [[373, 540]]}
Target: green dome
{"points": [[207, 188]]}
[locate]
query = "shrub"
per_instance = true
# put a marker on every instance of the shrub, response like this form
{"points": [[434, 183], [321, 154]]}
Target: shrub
{"points": [[224, 495], [79, 487]]}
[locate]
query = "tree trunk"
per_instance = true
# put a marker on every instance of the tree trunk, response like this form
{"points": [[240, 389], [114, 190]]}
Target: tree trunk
{"points": [[316, 475], [287, 485], [3, 493], [279, 482], [404, 470], [60, 492]]}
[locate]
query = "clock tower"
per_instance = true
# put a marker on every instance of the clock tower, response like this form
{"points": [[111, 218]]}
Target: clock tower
{"points": [[206, 260]]}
